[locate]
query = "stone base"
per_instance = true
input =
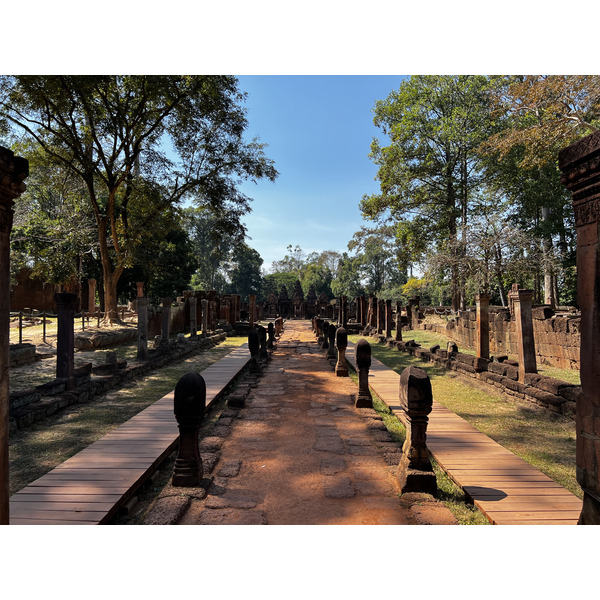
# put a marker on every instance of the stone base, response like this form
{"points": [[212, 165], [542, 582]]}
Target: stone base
{"points": [[590, 513], [363, 401], [187, 473], [413, 480], [341, 371]]}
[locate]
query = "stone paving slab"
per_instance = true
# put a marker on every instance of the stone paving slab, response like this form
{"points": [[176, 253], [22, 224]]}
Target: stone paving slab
{"points": [[299, 453]]}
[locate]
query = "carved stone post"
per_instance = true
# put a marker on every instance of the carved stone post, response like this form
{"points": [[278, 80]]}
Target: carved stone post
{"points": [[204, 316], [13, 172], [325, 329], [341, 341], [212, 312], [254, 349], [482, 303], [413, 311], [415, 472], [580, 164], [373, 311], [193, 317], [388, 319], [331, 341], [189, 406], [65, 344], [166, 321], [140, 289], [363, 362], [521, 300], [262, 336], [398, 322], [91, 296], [142, 327]]}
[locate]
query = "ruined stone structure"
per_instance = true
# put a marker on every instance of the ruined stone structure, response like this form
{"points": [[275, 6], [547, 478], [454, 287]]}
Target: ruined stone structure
{"points": [[580, 164], [298, 308], [284, 302], [311, 303], [322, 307]]}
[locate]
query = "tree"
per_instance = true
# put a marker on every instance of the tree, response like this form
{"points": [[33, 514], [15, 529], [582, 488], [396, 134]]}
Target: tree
{"points": [[113, 132], [246, 277], [430, 168]]}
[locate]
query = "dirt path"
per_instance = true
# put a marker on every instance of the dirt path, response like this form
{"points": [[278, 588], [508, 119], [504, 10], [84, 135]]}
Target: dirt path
{"points": [[299, 453]]}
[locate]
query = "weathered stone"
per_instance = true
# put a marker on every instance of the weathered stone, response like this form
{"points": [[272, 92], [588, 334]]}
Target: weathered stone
{"points": [[363, 363]]}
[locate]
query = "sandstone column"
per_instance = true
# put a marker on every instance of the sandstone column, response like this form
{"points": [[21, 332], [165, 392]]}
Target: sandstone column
{"points": [[193, 317], [482, 302], [252, 309], [373, 311], [522, 300], [363, 362], [13, 171], [65, 343], [142, 328], [398, 322], [91, 296], [381, 317], [204, 316], [341, 341], [580, 164], [388, 319], [166, 321], [140, 289]]}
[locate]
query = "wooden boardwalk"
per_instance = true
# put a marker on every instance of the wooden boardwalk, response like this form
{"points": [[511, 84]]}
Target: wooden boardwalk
{"points": [[507, 489], [88, 488]]}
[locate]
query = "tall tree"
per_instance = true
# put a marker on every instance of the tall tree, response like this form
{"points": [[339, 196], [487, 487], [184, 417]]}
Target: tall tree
{"points": [[113, 132], [246, 277], [430, 168]]}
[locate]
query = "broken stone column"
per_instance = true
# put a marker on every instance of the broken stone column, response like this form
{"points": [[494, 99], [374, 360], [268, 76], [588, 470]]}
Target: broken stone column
{"points": [[166, 322], [341, 341], [363, 363], [193, 317], [189, 407], [415, 472], [142, 328], [388, 319], [65, 345], [252, 309], [91, 296], [580, 164], [140, 289], [482, 303], [521, 301], [398, 322], [13, 172], [204, 316]]}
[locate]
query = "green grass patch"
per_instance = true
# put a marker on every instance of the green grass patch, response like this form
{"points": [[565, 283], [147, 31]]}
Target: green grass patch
{"points": [[544, 439], [44, 445]]}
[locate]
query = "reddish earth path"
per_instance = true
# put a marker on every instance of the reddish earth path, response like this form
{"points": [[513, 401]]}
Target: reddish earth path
{"points": [[299, 453]]}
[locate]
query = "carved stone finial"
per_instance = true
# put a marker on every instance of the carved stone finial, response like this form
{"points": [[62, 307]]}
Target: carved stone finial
{"points": [[363, 362], [341, 341], [189, 406]]}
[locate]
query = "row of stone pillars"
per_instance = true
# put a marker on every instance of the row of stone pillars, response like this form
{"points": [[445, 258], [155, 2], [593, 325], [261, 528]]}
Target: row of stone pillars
{"points": [[378, 315]]}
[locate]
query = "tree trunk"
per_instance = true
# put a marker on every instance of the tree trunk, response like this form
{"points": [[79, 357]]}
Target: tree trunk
{"points": [[110, 277], [549, 297]]}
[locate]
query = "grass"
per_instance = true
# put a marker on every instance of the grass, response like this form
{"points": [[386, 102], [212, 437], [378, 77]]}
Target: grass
{"points": [[44, 445], [465, 512], [544, 439]]}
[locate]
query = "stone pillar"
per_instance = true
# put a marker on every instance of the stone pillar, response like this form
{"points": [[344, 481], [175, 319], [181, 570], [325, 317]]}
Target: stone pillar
{"points": [[142, 327], [331, 329], [262, 338], [521, 300], [65, 344], [482, 303], [398, 322], [13, 172], [193, 317], [271, 340], [580, 164], [415, 472], [341, 341], [140, 289], [388, 319], [252, 309], [373, 311], [91, 296], [204, 316], [189, 406], [166, 321], [381, 317], [413, 312], [212, 315], [325, 327], [363, 363]]}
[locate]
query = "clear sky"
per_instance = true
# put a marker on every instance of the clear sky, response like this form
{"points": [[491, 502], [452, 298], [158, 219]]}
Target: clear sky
{"points": [[318, 130]]}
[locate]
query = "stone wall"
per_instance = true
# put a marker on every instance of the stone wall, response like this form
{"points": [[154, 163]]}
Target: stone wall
{"points": [[557, 337]]}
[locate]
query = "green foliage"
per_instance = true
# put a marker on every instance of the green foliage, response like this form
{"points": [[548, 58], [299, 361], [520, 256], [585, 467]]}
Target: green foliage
{"points": [[246, 277]]}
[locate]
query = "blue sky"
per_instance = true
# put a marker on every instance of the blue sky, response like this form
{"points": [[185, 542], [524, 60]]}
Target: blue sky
{"points": [[318, 130]]}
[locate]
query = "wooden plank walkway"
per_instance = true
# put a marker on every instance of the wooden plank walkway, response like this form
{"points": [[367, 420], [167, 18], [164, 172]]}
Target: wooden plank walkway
{"points": [[507, 489], [88, 488]]}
